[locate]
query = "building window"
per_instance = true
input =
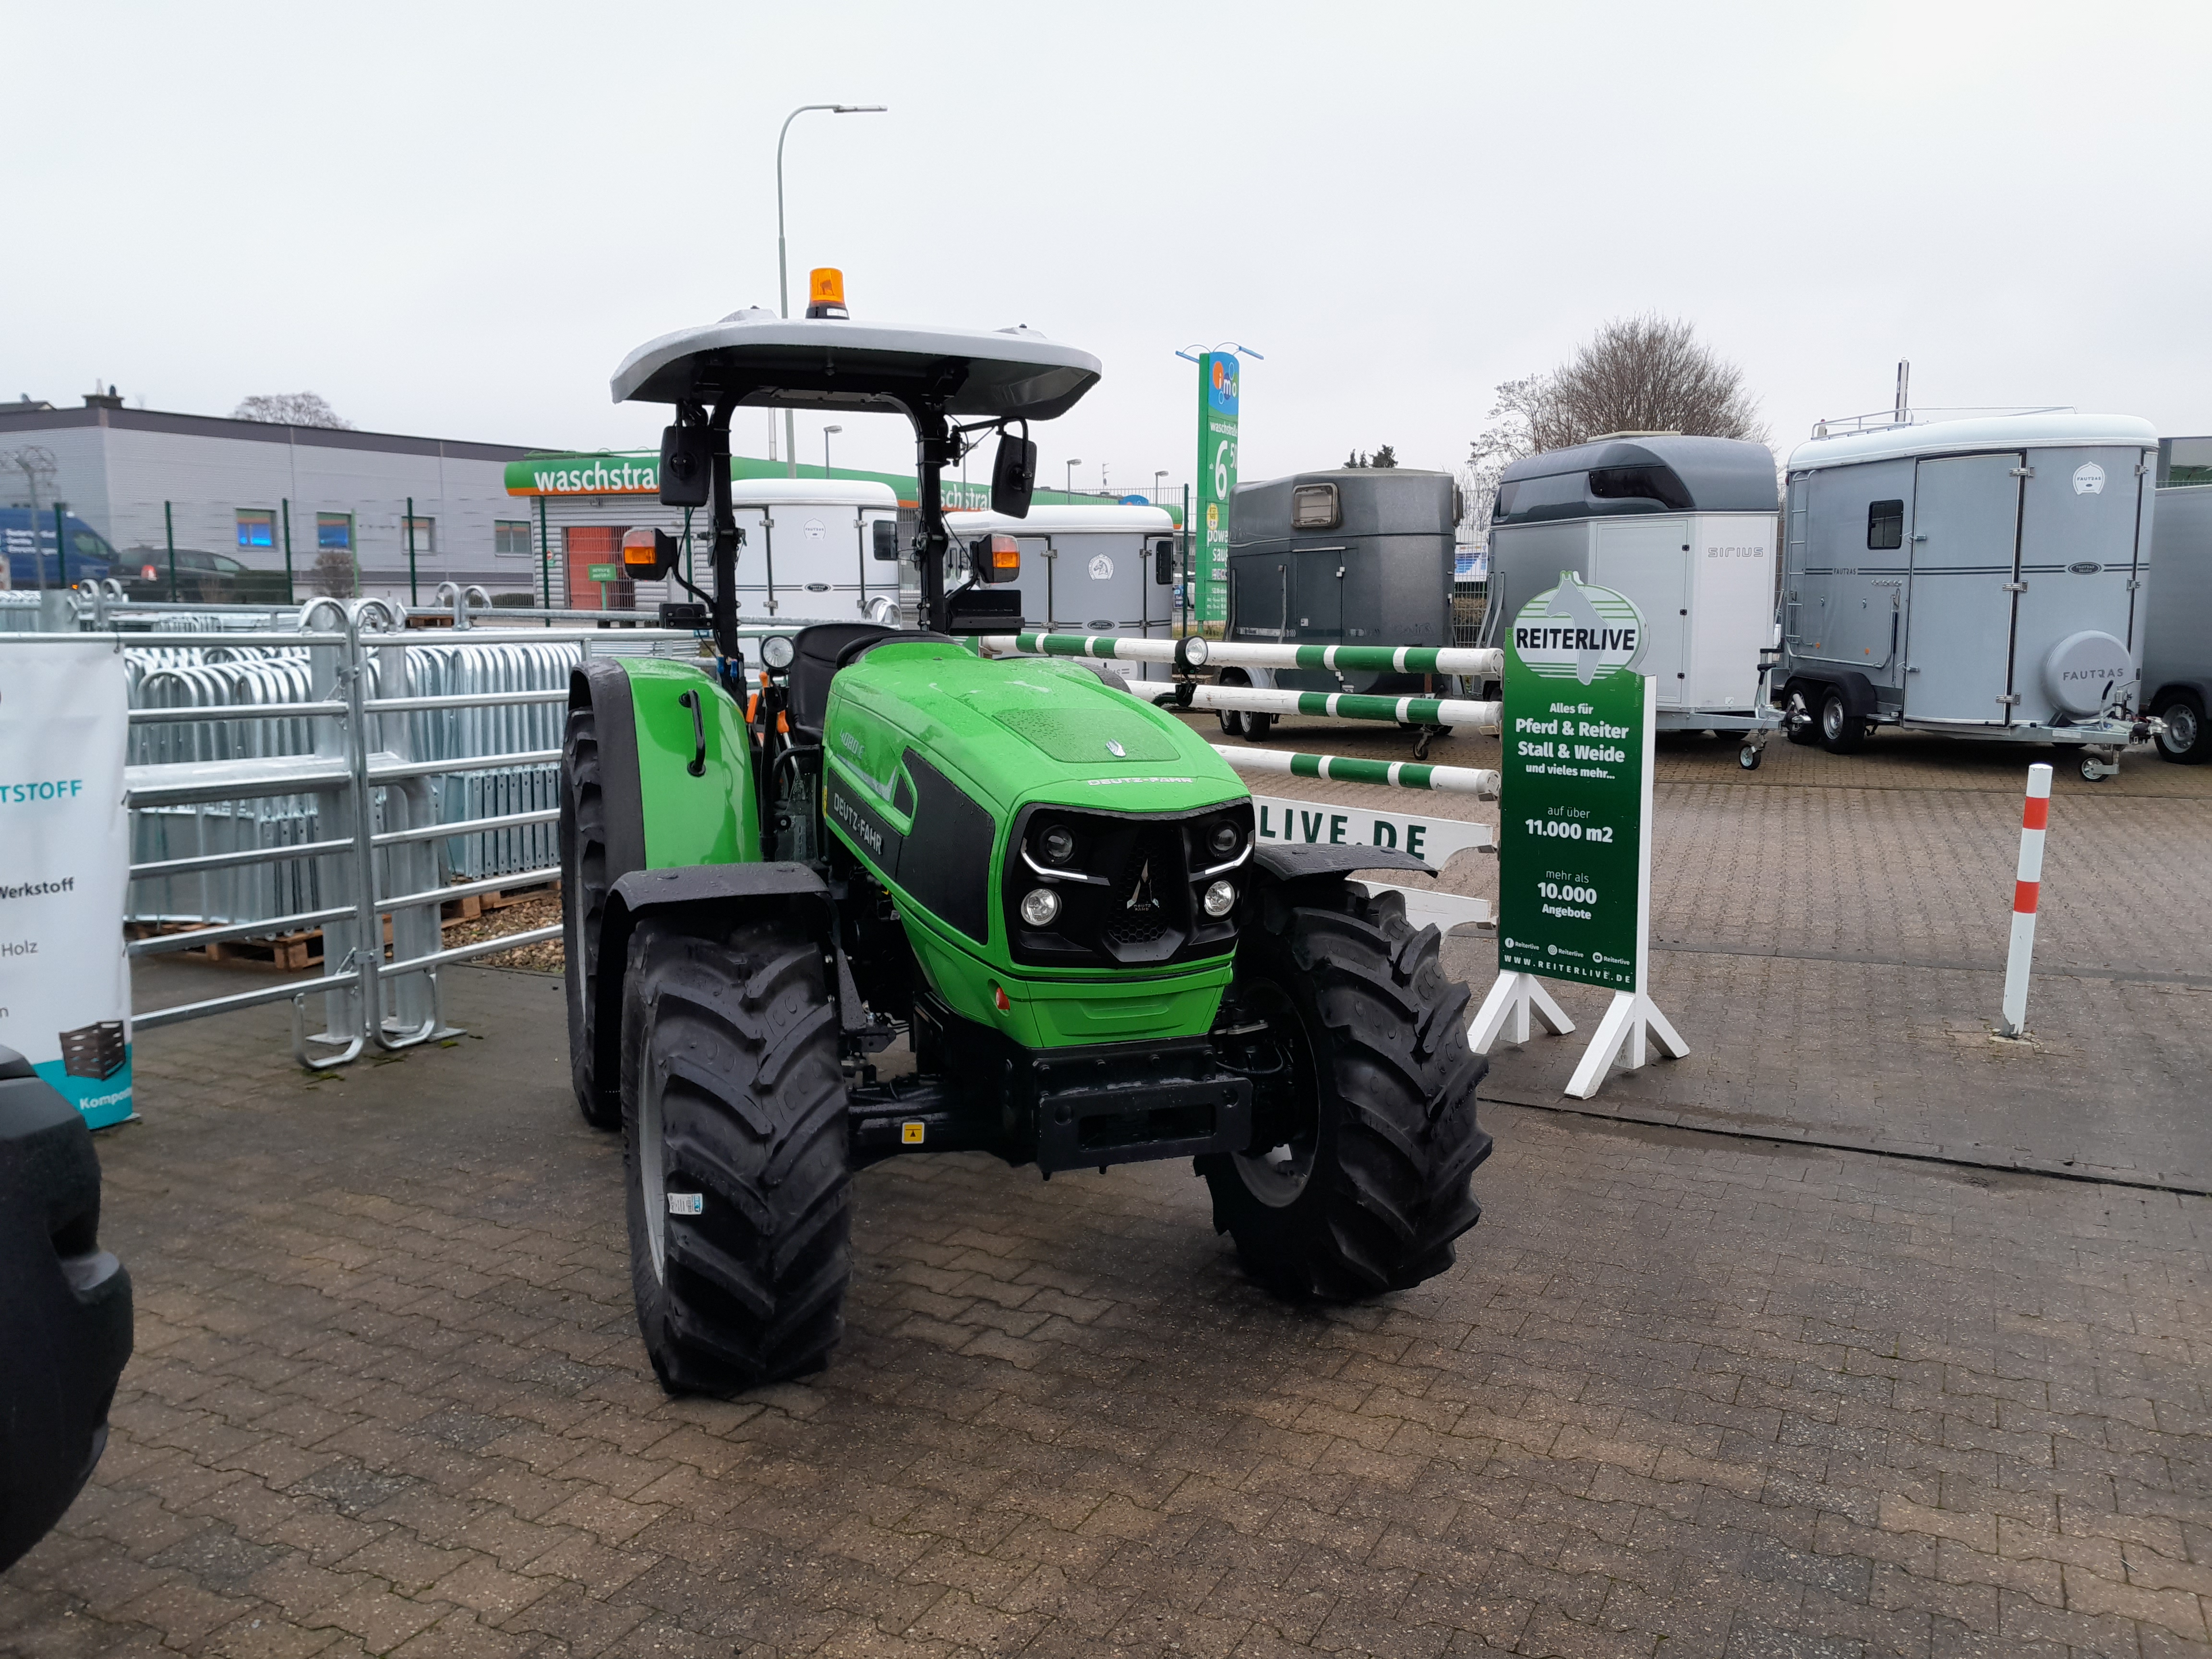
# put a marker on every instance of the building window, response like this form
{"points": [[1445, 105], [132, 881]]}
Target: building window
{"points": [[510, 537], [334, 532], [1885, 526], [257, 528], [425, 534]]}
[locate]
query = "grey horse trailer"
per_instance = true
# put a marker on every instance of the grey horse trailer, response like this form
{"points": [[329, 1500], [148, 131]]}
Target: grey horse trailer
{"points": [[1982, 577], [1685, 527], [1349, 556], [2176, 665]]}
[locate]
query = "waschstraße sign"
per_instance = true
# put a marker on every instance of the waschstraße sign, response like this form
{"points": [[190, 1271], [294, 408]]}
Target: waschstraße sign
{"points": [[554, 476], [1571, 790]]}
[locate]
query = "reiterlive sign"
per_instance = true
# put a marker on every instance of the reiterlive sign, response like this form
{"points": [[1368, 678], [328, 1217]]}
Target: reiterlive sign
{"points": [[1216, 481], [1575, 790]]}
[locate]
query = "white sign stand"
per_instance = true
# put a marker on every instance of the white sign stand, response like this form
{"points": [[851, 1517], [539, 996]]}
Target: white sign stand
{"points": [[1506, 1010], [1632, 1021]]}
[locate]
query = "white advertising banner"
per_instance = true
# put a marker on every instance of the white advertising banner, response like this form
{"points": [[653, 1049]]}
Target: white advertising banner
{"points": [[65, 863]]}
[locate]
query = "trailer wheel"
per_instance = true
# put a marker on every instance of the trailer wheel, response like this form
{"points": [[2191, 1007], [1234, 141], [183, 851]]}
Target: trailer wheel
{"points": [[734, 1152], [1840, 733], [2093, 770], [1797, 723], [2186, 741], [1364, 1130], [584, 889], [1749, 756]]}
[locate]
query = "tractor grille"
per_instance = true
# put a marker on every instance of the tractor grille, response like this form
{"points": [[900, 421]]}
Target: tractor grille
{"points": [[1145, 912]]}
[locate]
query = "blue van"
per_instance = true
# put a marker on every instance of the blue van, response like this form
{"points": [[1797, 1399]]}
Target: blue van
{"points": [[31, 551]]}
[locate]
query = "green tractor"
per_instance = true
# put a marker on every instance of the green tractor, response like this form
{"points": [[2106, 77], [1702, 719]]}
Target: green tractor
{"points": [[1048, 888]]}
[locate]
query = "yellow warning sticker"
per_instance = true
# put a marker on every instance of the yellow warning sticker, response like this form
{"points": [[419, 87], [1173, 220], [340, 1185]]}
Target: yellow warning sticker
{"points": [[911, 1133]]}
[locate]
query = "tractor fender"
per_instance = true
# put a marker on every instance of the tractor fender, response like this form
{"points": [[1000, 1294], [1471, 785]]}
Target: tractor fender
{"points": [[1297, 860], [737, 888], [600, 684]]}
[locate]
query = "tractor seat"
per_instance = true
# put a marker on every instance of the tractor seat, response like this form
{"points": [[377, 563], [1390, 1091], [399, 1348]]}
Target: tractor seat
{"points": [[817, 652]]}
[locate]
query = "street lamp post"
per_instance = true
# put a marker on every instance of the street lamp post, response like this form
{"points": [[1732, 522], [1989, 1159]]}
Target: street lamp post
{"points": [[1072, 465], [782, 275], [826, 431], [1159, 485]]}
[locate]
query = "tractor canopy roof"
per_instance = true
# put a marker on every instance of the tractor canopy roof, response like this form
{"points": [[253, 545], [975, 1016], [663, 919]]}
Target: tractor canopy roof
{"points": [[757, 358]]}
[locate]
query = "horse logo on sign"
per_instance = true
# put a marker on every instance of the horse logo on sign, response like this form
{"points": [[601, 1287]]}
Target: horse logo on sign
{"points": [[1579, 631]]}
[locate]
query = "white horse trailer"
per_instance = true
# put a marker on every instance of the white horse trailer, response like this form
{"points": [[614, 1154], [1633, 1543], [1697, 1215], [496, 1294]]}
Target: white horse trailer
{"points": [[1981, 578], [1685, 527], [1102, 569], [813, 552]]}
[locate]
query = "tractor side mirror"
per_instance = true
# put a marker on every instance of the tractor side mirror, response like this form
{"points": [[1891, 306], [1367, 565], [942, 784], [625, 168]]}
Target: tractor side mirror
{"points": [[1163, 562], [1013, 476], [686, 465], [648, 555], [884, 535]]}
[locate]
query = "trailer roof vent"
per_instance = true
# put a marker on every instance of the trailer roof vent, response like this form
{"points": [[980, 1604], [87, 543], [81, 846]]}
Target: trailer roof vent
{"points": [[1314, 506]]}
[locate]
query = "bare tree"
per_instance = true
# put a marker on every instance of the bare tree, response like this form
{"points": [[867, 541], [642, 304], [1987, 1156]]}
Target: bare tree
{"points": [[290, 409], [334, 573], [1647, 373]]}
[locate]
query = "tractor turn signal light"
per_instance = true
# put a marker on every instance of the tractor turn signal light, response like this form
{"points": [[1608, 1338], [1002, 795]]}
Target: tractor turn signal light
{"points": [[648, 555], [997, 558]]}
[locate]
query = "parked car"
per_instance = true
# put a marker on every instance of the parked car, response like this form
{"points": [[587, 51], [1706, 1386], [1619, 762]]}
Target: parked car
{"points": [[202, 578], [30, 545], [65, 1308]]}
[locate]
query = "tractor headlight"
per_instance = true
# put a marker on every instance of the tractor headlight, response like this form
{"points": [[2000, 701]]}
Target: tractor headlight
{"points": [[1221, 840], [1056, 845], [777, 651], [1220, 899], [1039, 906]]}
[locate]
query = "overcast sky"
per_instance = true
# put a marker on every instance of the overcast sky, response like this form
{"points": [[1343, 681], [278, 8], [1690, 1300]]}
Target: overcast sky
{"points": [[454, 220]]}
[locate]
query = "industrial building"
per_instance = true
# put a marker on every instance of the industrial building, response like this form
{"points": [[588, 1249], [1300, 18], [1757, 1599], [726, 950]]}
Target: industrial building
{"points": [[331, 506]]}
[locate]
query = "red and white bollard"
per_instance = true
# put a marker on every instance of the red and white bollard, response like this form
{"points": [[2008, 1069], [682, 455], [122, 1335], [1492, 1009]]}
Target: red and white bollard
{"points": [[2028, 884]]}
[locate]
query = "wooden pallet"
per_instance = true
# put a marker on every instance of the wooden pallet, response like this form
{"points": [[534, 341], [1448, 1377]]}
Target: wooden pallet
{"points": [[290, 952]]}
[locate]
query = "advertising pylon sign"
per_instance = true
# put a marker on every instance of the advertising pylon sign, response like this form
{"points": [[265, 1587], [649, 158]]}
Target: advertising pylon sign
{"points": [[1217, 482], [1574, 830]]}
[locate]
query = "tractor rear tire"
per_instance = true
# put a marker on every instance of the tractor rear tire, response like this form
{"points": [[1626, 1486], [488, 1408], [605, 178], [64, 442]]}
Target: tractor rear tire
{"points": [[584, 889], [1374, 1096], [734, 1152]]}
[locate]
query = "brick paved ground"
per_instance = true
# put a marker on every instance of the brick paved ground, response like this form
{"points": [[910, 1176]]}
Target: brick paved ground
{"points": [[1831, 933], [1683, 1395]]}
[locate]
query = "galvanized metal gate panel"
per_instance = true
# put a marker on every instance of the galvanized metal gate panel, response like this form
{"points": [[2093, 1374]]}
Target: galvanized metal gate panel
{"points": [[1965, 543]]}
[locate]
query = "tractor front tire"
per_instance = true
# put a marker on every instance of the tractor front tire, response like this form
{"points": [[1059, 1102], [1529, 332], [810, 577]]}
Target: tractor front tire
{"points": [[584, 889], [1365, 1116], [734, 1148]]}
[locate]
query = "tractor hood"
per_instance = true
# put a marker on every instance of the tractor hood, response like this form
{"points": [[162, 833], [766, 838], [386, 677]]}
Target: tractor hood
{"points": [[1011, 733]]}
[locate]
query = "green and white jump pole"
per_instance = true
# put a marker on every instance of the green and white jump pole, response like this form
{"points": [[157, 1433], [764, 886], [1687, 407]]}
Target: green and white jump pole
{"points": [[1349, 768], [1340, 705], [1193, 652]]}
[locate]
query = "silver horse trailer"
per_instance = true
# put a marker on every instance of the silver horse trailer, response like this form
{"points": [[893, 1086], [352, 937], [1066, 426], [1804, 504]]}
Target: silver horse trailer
{"points": [[1349, 556], [1982, 577], [1685, 527], [1104, 570], [2177, 666]]}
